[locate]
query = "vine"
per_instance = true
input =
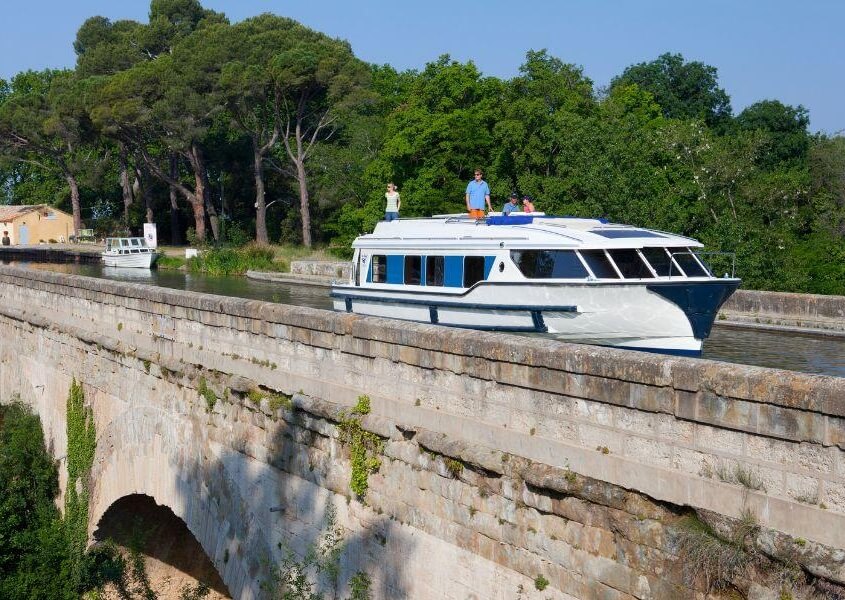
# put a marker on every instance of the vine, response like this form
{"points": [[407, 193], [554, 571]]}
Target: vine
{"points": [[81, 444], [364, 447]]}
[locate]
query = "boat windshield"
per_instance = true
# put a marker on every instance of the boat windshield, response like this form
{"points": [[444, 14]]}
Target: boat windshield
{"points": [[549, 264]]}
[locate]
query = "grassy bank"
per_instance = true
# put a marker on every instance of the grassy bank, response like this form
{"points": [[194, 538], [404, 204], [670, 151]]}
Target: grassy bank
{"points": [[237, 261]]}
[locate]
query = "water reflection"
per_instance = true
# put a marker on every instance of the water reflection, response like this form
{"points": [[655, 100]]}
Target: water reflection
{"points": [[810, 354]]}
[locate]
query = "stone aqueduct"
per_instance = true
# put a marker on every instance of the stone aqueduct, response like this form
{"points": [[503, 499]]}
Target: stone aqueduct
{"points": [[504, 458]]}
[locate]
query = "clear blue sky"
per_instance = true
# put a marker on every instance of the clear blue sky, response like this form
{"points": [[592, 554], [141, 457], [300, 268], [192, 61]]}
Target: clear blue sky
{"points": [[790, 51]]}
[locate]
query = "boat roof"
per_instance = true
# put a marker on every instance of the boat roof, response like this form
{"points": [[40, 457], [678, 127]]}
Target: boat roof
{"points": [[517, 230]]}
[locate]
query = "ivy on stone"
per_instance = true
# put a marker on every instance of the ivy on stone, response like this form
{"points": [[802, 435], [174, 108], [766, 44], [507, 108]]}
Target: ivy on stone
{"points": [[365, 447]]}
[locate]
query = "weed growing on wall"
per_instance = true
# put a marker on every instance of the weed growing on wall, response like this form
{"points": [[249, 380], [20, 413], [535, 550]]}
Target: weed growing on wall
{"points": [[297, 576], [365, 447], [208, 394], [81, 444]]}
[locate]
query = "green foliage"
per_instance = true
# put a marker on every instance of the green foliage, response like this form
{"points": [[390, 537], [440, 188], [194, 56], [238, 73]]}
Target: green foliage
{"points": [[296, 577], [208, 394], [81, 445], [541, 582], [170, 262], [365, 447], [32, 556], [685, 90], [191, 103], [232, 261], [275, 400]]}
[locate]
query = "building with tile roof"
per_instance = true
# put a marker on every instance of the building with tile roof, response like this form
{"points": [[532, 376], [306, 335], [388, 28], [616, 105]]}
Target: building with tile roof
{"points": [[34, 224]]}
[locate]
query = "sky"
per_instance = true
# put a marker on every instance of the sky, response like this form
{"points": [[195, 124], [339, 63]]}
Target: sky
{"points": [[789, 51]]}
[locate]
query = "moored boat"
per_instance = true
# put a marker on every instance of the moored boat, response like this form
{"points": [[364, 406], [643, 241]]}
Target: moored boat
{"points": [[580, 280], [128, 252]]}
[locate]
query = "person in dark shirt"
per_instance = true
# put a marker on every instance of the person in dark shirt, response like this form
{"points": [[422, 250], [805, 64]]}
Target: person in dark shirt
{"points": [[7, 241]]}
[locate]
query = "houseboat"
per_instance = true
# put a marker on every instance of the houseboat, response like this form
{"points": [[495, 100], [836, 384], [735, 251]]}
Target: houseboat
{"points": [[128, 252], [579, 280]]}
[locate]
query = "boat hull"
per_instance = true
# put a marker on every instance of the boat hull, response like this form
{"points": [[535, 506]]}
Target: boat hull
{"points": [[139, 260], [628, 315]]}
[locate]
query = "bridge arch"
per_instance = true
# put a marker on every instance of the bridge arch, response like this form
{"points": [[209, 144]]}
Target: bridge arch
{"points": [[146, 451]]}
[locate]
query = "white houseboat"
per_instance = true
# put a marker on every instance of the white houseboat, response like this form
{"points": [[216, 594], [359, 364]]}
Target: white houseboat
{"points": [[128, 252], [580, 280]]}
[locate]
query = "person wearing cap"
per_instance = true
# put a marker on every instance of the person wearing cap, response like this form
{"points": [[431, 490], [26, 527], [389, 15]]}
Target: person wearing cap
{"points": [[478, 192], [527, 204], [511, 205]]}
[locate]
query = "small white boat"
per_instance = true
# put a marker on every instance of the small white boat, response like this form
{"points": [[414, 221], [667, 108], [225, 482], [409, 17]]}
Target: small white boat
{"points": [[580, 280], [128, 252]]}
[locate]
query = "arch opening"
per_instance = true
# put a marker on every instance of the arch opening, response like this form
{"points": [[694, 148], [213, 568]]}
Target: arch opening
{"points": [[173, 557]]}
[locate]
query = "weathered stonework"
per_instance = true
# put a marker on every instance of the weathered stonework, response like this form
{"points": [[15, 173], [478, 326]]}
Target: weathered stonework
{"points": [[808, 311], [505, 457]]}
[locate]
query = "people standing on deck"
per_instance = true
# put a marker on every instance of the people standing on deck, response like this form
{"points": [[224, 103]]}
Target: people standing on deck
{"points": [[394, 203], [477, 194], [527, 204], [511, 205]]}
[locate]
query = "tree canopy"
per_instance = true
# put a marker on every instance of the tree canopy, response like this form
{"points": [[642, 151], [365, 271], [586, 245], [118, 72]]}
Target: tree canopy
{"points": [[270, 127]]}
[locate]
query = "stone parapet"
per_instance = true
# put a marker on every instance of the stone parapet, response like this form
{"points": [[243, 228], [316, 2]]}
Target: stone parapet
{"points": [[322, 268], [809, 311], [724, 439]]}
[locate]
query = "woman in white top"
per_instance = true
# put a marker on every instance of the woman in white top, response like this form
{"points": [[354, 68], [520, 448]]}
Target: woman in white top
{"points": [[391, 211]]}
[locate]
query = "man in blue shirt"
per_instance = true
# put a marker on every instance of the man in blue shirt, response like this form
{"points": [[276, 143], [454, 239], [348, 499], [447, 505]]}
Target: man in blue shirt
{"points": [[511, 205], [478, 192]]}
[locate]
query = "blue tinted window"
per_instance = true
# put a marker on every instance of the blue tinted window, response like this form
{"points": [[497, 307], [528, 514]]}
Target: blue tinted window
{"points": [[549, 264]]}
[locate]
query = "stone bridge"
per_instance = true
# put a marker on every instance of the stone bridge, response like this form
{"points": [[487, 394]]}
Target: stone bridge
{"points": [[510, 467]]}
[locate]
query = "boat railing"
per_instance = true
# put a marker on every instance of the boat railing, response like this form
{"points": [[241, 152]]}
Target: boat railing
{"points": [[698, 257]]}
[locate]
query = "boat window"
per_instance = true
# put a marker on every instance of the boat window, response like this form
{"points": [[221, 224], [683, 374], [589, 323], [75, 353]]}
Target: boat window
{"points": [[434, 270], [658, 258], [685, 258], [473, 270], [413, 266], [599, 264], [135, 242], [630, 264], [379, 268], [549, 264]]}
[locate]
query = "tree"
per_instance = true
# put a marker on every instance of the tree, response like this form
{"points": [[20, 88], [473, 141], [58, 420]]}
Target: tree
{"points": [[253, 94], [786, 129], [684, 90], [318, 78], [44, 123]]}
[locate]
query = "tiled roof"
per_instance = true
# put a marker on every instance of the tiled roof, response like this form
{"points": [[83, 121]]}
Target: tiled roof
{"points": [[9, 212]]}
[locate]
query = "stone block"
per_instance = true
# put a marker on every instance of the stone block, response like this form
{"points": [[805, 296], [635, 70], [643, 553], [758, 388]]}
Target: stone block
{"points": [[722, 441]]}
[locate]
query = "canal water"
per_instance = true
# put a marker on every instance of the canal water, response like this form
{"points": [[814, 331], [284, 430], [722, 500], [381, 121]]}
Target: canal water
{"points": [[780, 350]]}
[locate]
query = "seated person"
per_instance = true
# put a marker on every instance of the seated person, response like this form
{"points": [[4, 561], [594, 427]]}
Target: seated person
{"points": [[527, 204], [511, 205]]}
